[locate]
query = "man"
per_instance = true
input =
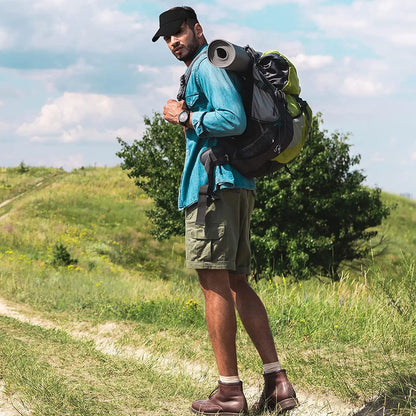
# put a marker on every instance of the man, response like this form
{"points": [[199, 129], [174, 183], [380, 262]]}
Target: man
{"points": [[220, 249]]}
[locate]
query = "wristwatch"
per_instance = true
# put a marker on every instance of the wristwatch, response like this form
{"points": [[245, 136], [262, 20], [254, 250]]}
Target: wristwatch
{"points": [[183, 117]]}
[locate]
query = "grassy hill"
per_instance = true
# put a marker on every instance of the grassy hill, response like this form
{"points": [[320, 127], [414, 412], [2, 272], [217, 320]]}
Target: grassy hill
{"points": [[79, 266]]}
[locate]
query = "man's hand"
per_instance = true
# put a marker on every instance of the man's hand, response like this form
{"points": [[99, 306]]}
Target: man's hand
{"points": [[172, 109]]}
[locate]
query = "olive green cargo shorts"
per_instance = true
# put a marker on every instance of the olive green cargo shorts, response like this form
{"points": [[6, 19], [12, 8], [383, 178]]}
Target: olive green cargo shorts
{"points": [[224, 241]]}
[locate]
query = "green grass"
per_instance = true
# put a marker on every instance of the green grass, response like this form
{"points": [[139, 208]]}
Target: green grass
{"points": [[355, 338], [16, 181], [56, 375]]}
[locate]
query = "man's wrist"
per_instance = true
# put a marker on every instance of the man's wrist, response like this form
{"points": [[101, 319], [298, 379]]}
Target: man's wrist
{"points": [[184, 118], [189, 122]]}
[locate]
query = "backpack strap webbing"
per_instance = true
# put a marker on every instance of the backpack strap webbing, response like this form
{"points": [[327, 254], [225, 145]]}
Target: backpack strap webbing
{"points": [[185, 77], [206, 193]]}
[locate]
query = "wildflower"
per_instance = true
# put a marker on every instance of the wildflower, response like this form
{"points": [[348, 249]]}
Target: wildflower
{"points": [[9, 252], [192, 303]]}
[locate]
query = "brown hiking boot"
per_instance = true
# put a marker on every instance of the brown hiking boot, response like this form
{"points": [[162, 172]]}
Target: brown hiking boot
{"points": [[225, 400], [278, 394]]}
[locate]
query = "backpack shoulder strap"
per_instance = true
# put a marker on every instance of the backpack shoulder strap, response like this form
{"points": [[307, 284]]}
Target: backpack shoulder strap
{"points": [[185, 77], [206, 194]]}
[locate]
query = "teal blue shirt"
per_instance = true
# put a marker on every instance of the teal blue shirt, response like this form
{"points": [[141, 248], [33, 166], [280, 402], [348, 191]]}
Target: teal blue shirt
{"points": [[217, 111]]}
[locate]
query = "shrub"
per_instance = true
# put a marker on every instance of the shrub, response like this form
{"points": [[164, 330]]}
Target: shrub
{"points": [[61, 256]]}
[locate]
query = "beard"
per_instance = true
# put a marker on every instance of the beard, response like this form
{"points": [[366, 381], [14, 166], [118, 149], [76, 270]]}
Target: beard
{"points": [[187, 52]]}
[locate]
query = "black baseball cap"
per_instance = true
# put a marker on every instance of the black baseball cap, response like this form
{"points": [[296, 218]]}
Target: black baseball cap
{"points": [[171, 21]]}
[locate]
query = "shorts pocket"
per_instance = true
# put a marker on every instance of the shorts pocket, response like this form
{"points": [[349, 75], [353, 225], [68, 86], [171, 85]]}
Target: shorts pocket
{"points": [[205, 244]]}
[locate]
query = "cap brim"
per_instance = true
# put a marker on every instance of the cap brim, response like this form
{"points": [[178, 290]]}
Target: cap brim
{"points": [[156, 36]]}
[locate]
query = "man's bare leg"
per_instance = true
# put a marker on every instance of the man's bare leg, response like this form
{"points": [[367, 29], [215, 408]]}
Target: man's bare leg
{"points": [[253, 315], [221, 319], [278, 393]]}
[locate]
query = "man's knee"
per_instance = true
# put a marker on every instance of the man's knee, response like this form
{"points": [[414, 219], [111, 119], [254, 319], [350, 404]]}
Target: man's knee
{"points": [[238, 281], [211, 279]]}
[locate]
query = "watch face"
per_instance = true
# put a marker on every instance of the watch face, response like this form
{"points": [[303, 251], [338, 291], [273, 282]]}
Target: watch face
{"points": [[183, 117]]}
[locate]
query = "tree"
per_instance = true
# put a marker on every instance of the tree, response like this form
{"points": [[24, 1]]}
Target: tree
{"points": [[156, 163], [311, 220], [305, 222]]}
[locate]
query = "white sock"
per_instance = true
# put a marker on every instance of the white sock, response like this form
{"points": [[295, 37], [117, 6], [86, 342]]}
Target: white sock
{"points": [[272, 367], [229, 379]]}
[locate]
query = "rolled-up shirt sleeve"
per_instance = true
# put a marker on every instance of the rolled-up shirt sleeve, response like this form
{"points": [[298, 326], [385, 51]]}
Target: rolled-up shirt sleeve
{"points": [[224, 115]]}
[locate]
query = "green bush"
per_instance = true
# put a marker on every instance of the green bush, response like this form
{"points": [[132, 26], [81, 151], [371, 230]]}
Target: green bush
{"points": [[311, 219], [61, 256], [155, 162]]}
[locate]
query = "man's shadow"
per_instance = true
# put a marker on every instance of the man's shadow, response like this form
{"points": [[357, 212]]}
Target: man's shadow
{"points": [[398, 398]]}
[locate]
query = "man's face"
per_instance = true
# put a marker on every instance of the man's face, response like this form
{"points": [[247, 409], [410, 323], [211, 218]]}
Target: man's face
{"points": [[184, 44]]}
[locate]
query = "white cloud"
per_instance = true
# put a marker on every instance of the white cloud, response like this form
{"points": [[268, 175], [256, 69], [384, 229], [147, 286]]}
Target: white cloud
{"points": [[4, 126], [75, 117], [91, 47], [302, 61], [360, 86], [146, 69], [50, 78], [381, 24], [406, 39], [68, 163], [56, 25], [258, 39], [5, 39], [250, 5], [233, 33], [167, 86], [378, 158], [349, 76]]}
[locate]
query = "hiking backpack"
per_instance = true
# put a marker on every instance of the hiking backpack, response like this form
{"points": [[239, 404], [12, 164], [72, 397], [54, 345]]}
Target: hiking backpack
{"points": [[278, 124]]}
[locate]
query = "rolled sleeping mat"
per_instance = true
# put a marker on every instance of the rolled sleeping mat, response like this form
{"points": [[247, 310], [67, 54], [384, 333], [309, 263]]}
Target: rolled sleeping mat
{"points": [[223, 54]]}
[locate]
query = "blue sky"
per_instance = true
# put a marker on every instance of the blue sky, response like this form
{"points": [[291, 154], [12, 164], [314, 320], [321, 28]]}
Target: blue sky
{"points": [[76, 74]]}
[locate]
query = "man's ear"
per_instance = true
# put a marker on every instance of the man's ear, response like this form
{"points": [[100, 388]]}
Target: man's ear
{"points": [[198, 31]]}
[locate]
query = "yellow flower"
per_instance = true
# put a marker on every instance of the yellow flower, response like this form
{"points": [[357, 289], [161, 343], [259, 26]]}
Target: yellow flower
{"points": [[192, 303]]}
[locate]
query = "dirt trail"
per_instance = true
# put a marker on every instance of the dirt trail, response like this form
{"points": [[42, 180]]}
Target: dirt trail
{"points": [[8, 201], [7, 406], [105, 342], [4, 203]]}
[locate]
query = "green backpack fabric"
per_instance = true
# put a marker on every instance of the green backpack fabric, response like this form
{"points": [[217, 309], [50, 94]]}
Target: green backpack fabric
{"points": [[301, 114]]}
